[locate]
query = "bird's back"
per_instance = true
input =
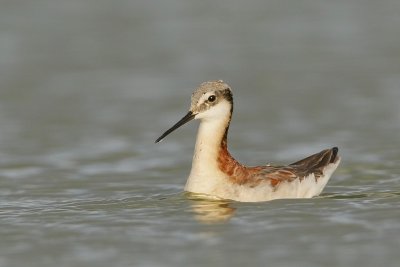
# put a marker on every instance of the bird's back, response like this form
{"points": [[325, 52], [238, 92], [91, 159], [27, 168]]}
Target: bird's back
{"points": [[305, 178]]}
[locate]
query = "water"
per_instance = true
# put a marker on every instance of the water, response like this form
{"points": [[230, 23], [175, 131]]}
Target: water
{"points": [[87, 86]]}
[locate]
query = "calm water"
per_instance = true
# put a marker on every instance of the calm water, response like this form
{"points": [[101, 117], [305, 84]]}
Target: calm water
{"points": [[87, 86]]}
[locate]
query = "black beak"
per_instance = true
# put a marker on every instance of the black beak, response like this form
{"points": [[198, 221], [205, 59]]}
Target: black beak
{"points": [[188, 117]]}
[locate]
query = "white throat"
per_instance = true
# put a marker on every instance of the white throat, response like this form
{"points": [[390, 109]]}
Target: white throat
{"points": [[204, 172]]}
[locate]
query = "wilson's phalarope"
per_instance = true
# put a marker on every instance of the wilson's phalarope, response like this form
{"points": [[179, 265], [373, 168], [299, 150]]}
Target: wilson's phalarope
{"points": [[216, 173]]}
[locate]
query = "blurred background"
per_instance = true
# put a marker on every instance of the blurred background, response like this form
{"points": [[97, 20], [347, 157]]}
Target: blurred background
{"points": [[87, 86]]}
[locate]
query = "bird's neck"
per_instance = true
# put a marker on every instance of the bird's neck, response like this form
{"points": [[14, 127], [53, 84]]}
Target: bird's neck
{"points": [[211, 139], [212, 162]]}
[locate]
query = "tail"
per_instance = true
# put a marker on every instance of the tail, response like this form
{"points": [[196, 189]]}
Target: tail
{"points": [[318, 162]]}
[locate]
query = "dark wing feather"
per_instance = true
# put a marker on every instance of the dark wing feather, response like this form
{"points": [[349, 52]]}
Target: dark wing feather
{"points": [[313, 164]]}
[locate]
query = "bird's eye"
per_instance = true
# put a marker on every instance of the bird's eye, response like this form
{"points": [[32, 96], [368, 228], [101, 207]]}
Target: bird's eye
{"points": [[211, 98]]}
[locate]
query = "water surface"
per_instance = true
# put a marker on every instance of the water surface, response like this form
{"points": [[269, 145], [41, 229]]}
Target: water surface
{"points": [[87, 86]]}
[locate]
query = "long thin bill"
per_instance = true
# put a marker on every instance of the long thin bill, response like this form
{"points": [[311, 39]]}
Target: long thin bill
{"points": [[188, 117]]}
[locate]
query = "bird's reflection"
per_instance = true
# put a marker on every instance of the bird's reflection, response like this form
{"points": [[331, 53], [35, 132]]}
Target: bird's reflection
{"points": [[210, 210]]}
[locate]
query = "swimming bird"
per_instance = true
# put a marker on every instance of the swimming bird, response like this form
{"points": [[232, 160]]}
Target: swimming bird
{"points": [[216, 174]]}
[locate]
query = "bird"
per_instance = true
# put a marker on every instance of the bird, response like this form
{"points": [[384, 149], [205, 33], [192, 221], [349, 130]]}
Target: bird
{"points": [[216, 174]]}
